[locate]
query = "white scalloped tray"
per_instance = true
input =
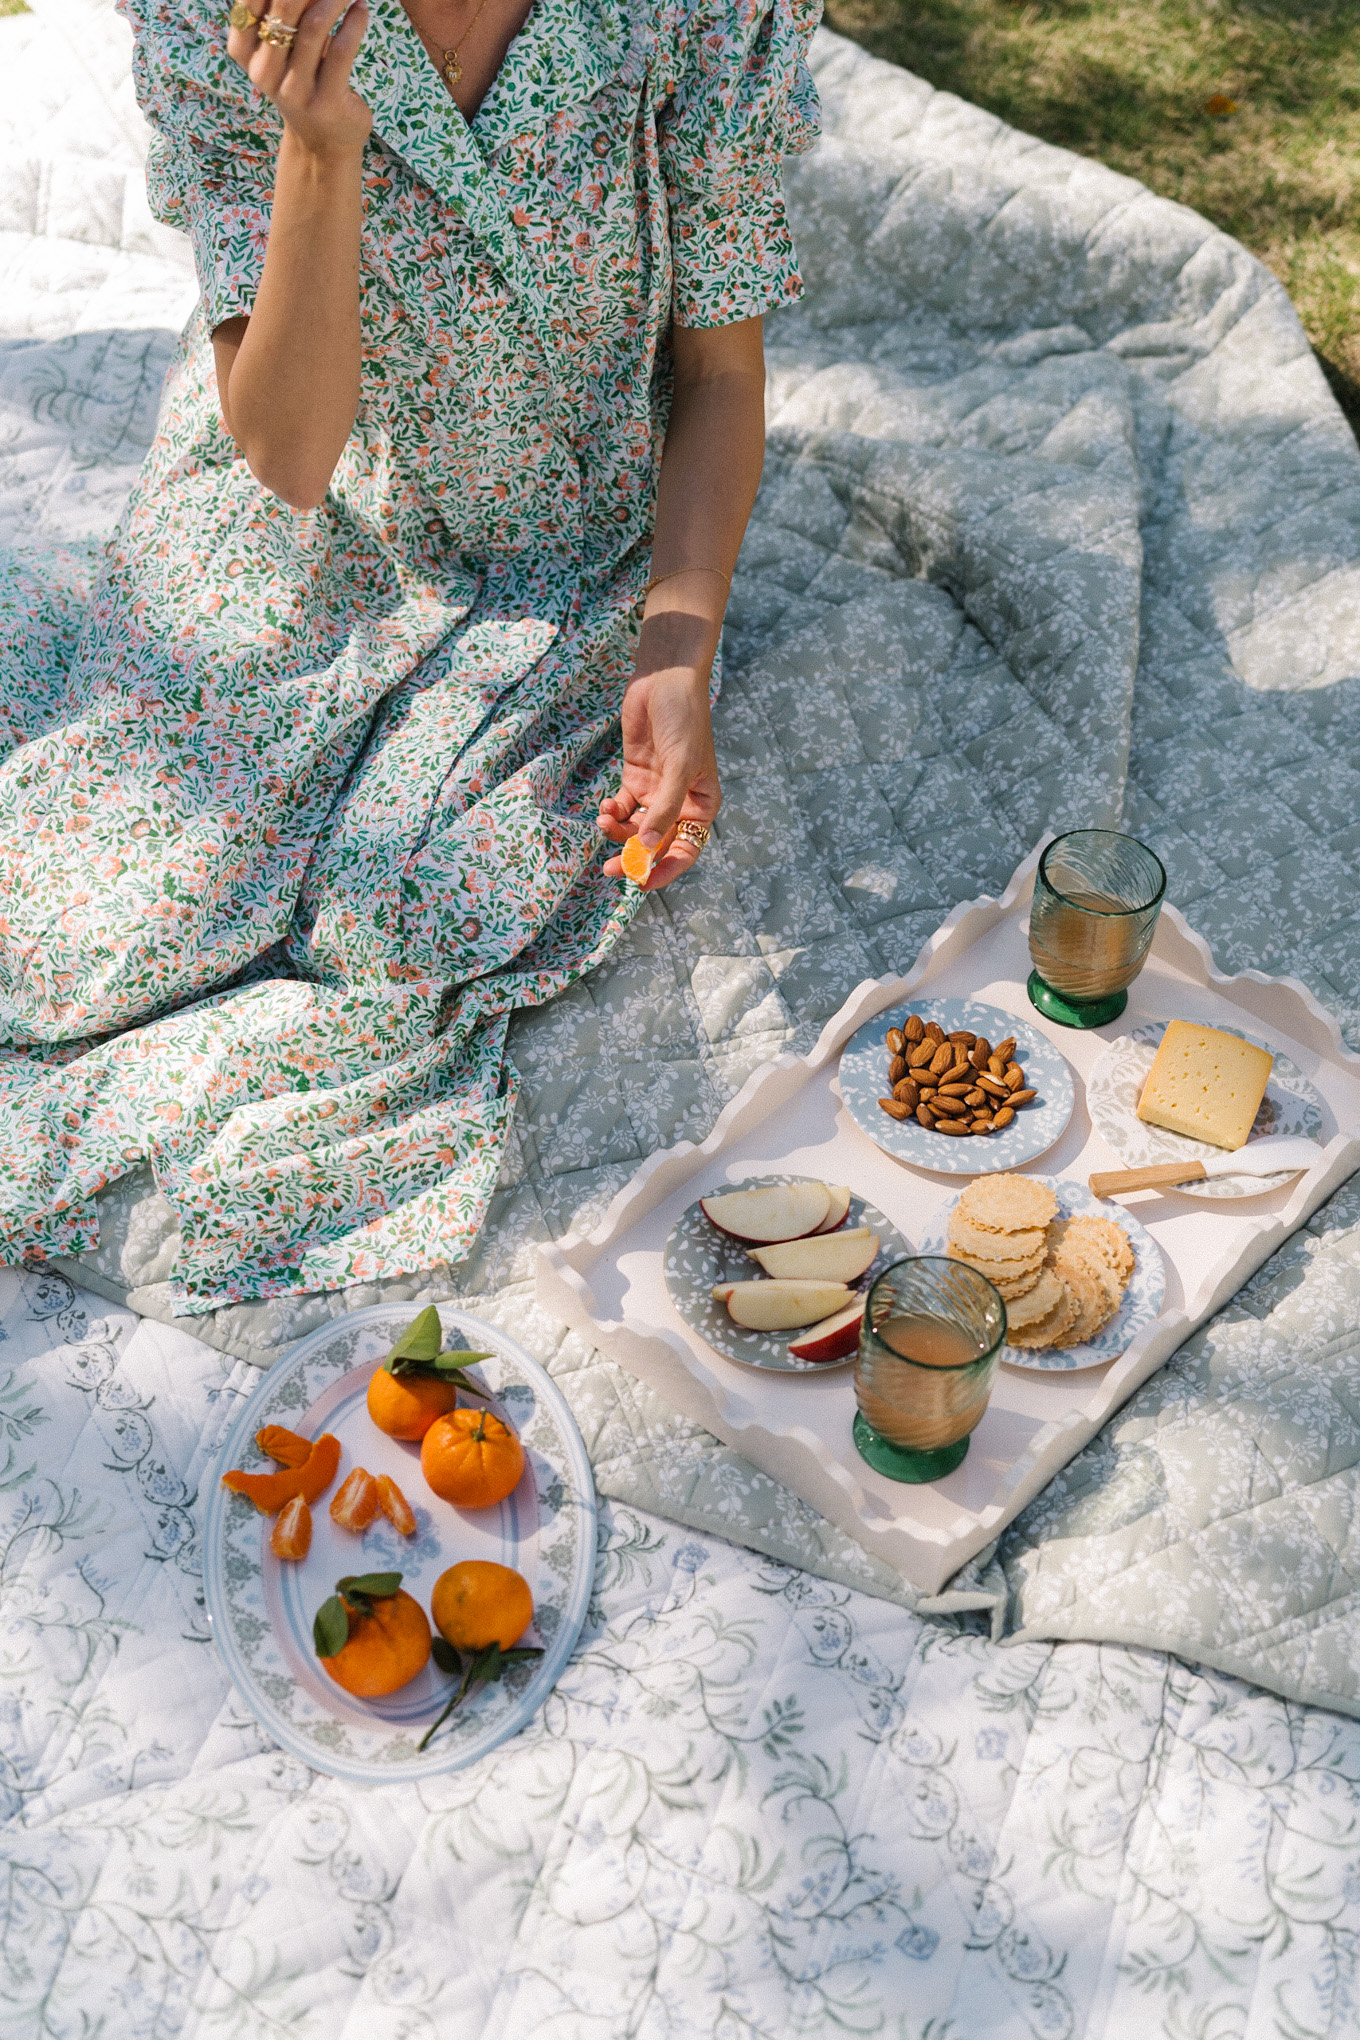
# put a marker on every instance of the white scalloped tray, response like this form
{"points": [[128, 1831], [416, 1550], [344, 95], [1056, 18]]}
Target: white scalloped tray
{"points": [[609, 1283]]}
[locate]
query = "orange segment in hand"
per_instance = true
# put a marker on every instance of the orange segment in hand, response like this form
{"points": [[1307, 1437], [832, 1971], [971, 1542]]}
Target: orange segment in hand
{"points": [[356, 1503], [291, 1536], [471, 1459], [395, 1506], [637, 861]]}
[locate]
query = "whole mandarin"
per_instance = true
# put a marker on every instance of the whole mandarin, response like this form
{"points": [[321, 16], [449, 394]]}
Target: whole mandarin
{"points": [[405, 1406], [476, 1603], [471, 1458], [384, 1650]]}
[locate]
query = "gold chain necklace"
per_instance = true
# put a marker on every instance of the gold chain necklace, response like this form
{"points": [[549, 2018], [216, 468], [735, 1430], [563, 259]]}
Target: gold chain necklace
{"points": [[450, 65]]}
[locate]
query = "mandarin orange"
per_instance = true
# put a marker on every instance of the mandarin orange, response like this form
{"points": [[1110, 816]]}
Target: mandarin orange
{"points": [[471, 1458], [405, 1406], [385, 1649], [637, 860], [291, 1536], [355, 1503], [395, 1506], [476, 1603]]}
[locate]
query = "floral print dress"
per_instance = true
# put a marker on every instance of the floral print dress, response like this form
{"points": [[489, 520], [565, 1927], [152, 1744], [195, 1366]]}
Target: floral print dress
{"points": [[297, 807]]}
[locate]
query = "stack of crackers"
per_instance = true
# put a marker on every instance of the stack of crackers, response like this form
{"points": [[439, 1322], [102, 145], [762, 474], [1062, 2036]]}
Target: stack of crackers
{"points": [[1061, 1278]]}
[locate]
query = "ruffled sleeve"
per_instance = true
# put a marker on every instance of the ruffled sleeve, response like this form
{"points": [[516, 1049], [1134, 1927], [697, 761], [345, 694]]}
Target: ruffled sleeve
{"points": [[210, 169], [741, 99]]}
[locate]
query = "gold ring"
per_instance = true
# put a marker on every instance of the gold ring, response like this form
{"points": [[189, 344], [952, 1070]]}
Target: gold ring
{"points": [[280, 34], [241, 16], [696, 833]]}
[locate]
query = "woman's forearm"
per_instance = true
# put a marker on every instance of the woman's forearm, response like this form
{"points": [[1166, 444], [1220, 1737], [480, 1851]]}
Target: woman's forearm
{"points": [[292, 381], [710, 471]]}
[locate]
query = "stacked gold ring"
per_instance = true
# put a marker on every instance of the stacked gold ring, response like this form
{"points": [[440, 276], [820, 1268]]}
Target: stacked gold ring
{"points": [[280, 34], [696, 833]]}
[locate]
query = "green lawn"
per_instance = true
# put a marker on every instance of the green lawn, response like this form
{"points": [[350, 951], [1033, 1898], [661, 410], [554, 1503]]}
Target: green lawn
{"points": [[1146, 85]]}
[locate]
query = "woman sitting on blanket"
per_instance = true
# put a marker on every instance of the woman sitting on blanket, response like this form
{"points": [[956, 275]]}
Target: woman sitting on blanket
{"points": [[306, 793]]}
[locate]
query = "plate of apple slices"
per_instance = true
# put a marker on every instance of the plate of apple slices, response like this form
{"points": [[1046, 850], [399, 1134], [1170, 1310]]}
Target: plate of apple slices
{"points": [[774, 1272]]}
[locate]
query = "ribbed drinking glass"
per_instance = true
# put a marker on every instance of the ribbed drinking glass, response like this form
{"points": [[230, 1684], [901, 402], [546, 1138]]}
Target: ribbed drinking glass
{"points": [[1096, 901], [928, 1351]]}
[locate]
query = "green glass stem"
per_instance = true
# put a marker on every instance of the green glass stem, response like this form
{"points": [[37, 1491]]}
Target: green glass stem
{"points": [[900, 1464], [1074, 1012]]}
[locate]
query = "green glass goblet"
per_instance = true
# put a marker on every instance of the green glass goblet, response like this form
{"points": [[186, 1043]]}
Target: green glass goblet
{"points": [[928, 1351], [1094, 913]]}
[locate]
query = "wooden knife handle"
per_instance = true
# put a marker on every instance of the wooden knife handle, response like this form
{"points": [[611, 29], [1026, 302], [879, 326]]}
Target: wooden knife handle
{"points": [[1158, 1177]]}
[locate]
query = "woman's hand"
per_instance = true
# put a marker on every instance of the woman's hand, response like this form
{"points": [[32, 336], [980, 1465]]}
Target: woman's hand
{"points": [[670, 772], [309, 83]]}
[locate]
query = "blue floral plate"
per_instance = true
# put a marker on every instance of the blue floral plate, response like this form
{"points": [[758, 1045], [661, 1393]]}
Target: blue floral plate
{"points": [[1140, 1306], [262, 1608], [864, 1080]]}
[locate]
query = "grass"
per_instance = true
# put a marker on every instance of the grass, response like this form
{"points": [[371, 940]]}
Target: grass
{"points": [[1131, 81]]}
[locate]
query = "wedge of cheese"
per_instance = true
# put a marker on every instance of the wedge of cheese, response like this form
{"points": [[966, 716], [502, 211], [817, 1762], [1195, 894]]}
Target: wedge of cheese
{"points": [[1206, 1084]]}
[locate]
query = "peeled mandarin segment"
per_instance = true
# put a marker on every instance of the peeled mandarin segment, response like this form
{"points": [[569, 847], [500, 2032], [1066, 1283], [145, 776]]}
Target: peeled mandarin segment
{"points": [[395, 1506], [385, 1650], [291, 1536], [285, 1446], [477, 1603], [472, 1459], [637, 861], [356, 1503]]}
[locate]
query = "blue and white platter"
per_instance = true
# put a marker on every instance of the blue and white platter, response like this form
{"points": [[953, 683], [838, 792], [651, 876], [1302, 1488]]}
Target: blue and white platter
{"points": [[262, 1608], [1140, 1306], [864, 1080]]}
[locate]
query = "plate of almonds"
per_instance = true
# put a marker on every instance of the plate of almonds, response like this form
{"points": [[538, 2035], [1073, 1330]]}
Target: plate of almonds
{"points": [[953, 1085]]}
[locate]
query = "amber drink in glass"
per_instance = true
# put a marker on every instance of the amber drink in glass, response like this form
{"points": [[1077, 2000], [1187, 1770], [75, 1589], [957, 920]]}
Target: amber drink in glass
{"points": [[1096, 901], [928, 1350]]}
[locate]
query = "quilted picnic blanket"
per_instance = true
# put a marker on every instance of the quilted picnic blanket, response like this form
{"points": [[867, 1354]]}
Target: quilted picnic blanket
{"points": [[1059, 523]]}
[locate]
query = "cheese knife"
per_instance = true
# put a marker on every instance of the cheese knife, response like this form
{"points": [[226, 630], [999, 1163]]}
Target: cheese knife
{"points": [[1276, 1154]]}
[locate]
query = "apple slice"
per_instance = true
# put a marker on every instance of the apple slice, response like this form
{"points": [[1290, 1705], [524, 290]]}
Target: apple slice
{"points": [[833, 1338], [779, 1211], [840, 1205], [826, 1257], [782, 1306], [722, 1290]]}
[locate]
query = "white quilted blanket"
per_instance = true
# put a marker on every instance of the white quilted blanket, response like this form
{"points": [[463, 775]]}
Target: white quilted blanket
{"points": [[760, 1804]]}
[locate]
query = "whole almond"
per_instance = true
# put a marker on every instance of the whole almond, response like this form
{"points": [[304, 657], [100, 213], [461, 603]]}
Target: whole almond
{"points": [[896, 1041], [981, 1122], [962, 1072], [975, 1098], [1003, 1117], [1019, 1098], [921, 1054], [953, 1090], [914, 1028], [1005, 1049], [925, 1082], [982, 1048], [1014, 1079], [926, 1117], [907, 1094], [996, 1064], [948, 1108], [893, 1109], [932, 1031], [951, 1126], [897, 1069], [942, 1060], [962, 1038], [993, 1086]]}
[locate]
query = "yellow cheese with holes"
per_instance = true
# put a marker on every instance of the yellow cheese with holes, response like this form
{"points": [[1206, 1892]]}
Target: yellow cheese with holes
{"points": [[1206, 1084]]}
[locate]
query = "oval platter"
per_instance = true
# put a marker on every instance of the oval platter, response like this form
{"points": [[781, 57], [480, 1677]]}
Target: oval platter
{"points": [[1140, 1306], [262, 1609], [697, 1255], [1291, 1105], [864, 1080]]}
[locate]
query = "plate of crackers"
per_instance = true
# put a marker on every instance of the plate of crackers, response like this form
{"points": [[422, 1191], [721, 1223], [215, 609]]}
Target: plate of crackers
{"points": [[1077, 1283], [953, 1085]]}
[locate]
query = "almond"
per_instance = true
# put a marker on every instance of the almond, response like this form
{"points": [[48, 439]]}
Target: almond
{"points": [[942, 1060], [975, 1098], [948, 1108], [893, 1109], [1014, 1078], [982, 1048], [907, 1094], [1019, 1098], [896, 1041], [951, 1126], [963, 1039], [954, 1090], [1005, 1049], [897, 1069], [921, 1054], [1003, 1117], [926, 1117], [996, 1064], [932, 1031], [993, 1086], [914, 1028]]}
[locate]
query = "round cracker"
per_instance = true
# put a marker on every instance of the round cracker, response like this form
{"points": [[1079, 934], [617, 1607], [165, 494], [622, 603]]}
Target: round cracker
{"points": [[994, 1246], [1094, 1307], [999, 1272], [1049, 1330], [1112, 1240], [1037, 1302], [1009, 1204], [1078, 1253]]}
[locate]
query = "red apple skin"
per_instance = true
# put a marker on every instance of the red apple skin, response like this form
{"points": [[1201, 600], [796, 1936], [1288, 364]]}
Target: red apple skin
{"points": [[835, 1225], [835, 1344]]}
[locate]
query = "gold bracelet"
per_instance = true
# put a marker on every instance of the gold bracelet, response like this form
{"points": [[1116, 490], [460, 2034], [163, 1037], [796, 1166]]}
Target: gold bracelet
{"points": [[657, 579]]}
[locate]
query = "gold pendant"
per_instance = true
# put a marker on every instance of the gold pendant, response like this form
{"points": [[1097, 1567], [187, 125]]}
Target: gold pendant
{"points": [[452, 69]]}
